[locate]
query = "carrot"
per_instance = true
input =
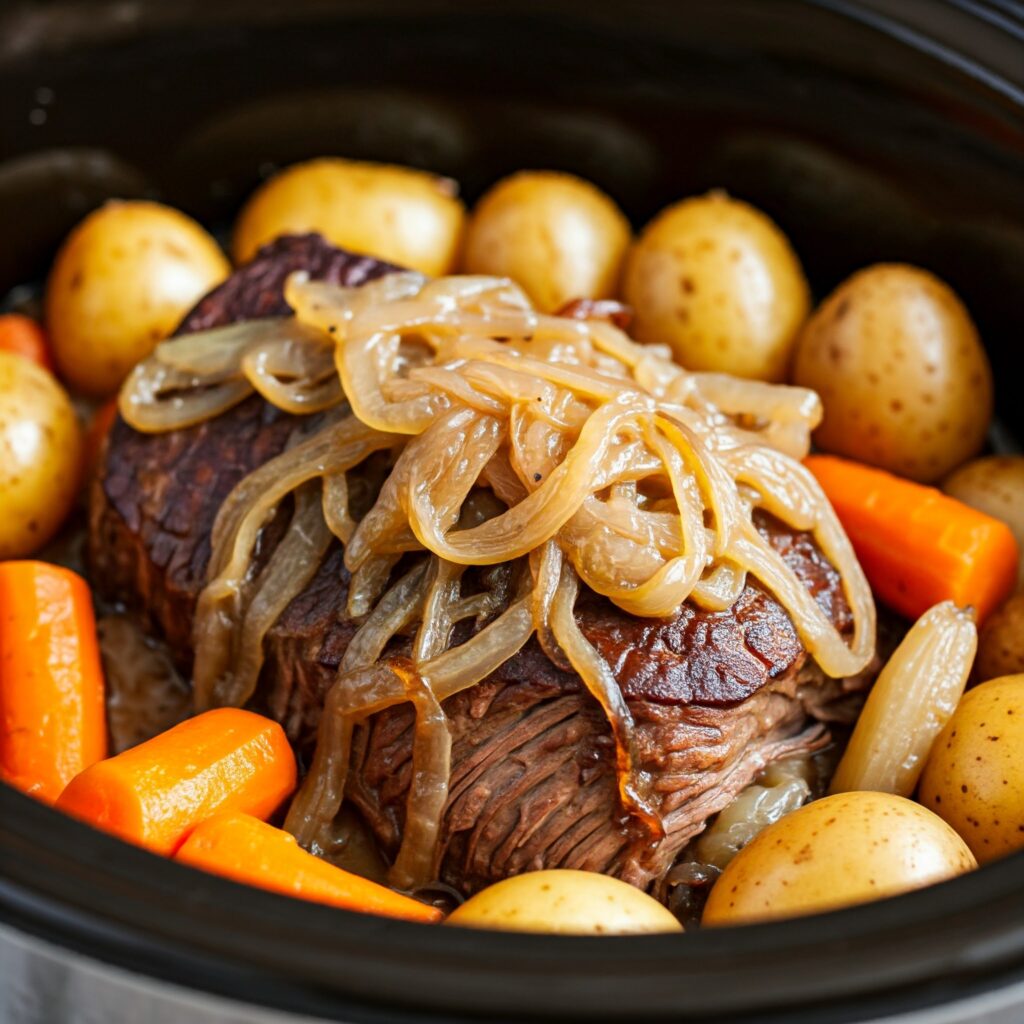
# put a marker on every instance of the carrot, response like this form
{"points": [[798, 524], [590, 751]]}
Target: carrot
{"points": [[156, 793], [52, 716], [24, 337], [918, 546], [247, 850]]}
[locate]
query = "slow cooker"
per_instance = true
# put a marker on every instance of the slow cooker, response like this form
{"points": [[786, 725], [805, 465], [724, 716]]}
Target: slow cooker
{"points": [[870, 130]]}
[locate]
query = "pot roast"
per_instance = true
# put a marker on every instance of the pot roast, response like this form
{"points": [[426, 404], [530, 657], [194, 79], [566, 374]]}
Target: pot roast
{"points": [[716, 696]]}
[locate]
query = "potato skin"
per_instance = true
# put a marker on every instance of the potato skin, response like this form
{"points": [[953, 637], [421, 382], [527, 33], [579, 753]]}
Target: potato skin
{"points": [[408, 217], [974, 777], [994, 485], [122, 281], [844, 849], [900, 369], [1001, 643], [40, 456], [565, 902], [718, 281], [559, 237]]}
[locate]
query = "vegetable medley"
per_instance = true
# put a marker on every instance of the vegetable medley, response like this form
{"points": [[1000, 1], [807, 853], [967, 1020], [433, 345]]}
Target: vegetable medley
{"points": [[927, 784]]}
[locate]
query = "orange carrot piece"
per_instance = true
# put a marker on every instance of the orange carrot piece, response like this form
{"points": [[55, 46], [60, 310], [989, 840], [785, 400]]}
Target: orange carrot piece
{"points": [[917, 545], [247, 850], [24, 337], [52, 717], [156, 793]]}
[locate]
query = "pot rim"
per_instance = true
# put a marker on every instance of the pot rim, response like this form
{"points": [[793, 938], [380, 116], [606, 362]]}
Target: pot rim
{"points": [[69, 884]]}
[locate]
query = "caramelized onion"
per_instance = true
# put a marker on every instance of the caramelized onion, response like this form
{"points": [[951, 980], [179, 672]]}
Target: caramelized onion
{"points": [[634, 784], [158, 398], [464, 666], [198, 376], [415, 864], [397, 609], [290, 568]]}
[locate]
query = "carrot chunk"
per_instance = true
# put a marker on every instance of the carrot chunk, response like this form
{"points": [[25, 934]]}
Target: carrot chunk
{"points": [[247, 850], [156, 793], [24, 337], [52, 717], [918, 546]]}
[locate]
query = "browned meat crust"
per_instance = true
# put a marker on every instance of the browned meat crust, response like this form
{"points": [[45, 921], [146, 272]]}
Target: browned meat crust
{"points": [[717, 696]]}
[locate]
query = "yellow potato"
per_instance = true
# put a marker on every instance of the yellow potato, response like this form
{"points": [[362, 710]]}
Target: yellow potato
{"points": [[558, 236], [718, 281], [845, 849], [974, 777], [904, 379], [408, 217], [122, 281], [565, 902], [995, 485], [40, 456], [1001, 644]]}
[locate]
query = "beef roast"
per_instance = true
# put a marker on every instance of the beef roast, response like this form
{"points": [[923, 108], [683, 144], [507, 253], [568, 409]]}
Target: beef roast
{"points": [[716, 696]]}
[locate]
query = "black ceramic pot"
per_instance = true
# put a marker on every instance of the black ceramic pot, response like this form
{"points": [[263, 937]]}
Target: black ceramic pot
{"points": [[868, 130]]}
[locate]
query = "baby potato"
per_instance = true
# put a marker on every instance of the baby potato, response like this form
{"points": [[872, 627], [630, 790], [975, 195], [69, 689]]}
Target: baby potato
{"points": [[40, 456], [409, 217], [845, 849], [974, 777], [994, 485], [122, 281], [558, 236], [1001, 643], [565, 902], [900, 369], [718, 281]]}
